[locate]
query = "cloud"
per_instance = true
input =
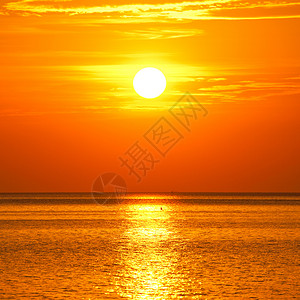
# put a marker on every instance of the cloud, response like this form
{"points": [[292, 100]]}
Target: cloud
{"points": [[239, 88], [180, 11], [162, 34]]}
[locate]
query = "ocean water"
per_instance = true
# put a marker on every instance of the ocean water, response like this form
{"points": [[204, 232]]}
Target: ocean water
{"points": [[151, 246]]}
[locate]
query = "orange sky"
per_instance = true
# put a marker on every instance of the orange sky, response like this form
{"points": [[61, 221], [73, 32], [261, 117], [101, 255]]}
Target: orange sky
{"points": [[68, 109]]}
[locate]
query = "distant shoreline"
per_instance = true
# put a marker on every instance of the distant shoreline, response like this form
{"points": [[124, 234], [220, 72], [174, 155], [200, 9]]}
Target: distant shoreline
{"points": [[151, 198], [155, 193]]}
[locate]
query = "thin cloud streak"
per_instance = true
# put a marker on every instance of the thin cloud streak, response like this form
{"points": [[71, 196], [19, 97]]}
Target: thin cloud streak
{"points": [[161, 34], [139, 13]]}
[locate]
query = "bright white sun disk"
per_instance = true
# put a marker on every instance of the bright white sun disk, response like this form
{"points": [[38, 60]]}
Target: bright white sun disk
{"points": [[149, 83]]}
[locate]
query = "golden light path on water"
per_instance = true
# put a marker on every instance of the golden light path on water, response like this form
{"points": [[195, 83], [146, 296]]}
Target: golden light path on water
{"points": [[151, 255]]}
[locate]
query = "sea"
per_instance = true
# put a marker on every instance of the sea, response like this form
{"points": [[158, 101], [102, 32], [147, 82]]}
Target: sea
{"points": [[150, 246]]}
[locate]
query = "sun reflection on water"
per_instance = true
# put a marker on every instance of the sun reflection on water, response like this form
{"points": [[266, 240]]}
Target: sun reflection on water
{"points": [[150, 197], [149, 260]]}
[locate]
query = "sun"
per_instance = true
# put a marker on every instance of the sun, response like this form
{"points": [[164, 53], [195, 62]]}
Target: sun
{"points": [[149, 83]]}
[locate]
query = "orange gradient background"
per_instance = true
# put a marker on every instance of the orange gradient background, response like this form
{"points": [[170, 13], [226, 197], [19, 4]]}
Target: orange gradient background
{"points": [[68, 109]]}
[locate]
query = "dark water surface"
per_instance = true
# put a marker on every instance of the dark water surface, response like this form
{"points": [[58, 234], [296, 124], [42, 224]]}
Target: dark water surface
{"points": [[152, 246]]}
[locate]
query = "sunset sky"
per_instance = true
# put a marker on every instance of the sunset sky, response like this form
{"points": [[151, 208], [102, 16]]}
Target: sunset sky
{"points": [[69, 111]]}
